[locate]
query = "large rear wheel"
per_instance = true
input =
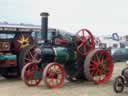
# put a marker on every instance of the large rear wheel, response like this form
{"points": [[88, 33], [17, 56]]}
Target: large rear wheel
{"points": [[98, 66]]}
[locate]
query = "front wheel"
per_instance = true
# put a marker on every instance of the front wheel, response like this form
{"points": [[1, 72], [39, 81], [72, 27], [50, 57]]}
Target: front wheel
{"points": [[118, 84], [53, 75], [31, 74]]}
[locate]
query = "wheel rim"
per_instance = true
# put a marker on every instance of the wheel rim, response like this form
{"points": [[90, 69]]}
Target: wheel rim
{"points": [[28, 74], [53, 75], [118, 84], [86, 40], [99, 66]]}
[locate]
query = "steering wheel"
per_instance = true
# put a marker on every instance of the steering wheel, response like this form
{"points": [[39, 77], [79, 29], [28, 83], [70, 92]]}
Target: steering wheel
{"points": [[85, 41]]}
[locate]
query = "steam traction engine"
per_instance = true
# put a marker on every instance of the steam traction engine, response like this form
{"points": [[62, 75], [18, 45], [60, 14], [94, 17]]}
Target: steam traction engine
{"points": [[70, 56]]}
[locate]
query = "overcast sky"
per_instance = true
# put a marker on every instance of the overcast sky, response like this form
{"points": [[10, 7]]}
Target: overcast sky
{"points": [[100, 16]]}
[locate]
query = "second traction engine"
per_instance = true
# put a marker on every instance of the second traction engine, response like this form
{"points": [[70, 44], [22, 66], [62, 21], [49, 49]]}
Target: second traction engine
{"points": [[74, 58]]}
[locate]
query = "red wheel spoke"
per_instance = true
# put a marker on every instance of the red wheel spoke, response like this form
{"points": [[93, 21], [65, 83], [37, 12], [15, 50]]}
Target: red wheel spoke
{"points": [[97, 58], [82, 33], [94, 72], [102, 59], [80, 45], [95, 63], [55, 68], [93, 68], [83, 36], [84, 47]]}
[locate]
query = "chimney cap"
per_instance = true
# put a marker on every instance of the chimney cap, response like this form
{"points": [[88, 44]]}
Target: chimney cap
{"points": [[44, 14]]}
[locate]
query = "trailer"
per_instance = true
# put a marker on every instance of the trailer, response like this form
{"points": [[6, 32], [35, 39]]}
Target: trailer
{"points": [[13, 39]]}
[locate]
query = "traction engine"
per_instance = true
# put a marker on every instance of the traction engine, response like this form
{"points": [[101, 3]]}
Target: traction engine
{"points": [[74, 59]]}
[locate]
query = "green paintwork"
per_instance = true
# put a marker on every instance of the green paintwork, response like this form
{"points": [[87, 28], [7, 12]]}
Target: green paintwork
{"points": [[63, 55], [7, 57], [37, 75]]}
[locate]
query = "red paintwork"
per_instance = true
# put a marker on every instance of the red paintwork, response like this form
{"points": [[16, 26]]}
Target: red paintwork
{"points": [[8, 63]]}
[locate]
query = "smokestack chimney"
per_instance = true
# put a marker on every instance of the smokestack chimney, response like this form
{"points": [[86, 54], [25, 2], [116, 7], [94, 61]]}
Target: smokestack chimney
{"points": [[44, 26]]}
